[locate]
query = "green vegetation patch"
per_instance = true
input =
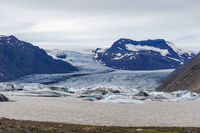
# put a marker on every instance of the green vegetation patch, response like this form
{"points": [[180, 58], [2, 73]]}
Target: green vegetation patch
{"points": [[19, 126]]}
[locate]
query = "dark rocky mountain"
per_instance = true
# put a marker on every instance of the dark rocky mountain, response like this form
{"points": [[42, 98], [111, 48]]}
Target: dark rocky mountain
{"points": [[128, 54], [19, 58], [186, 77]]}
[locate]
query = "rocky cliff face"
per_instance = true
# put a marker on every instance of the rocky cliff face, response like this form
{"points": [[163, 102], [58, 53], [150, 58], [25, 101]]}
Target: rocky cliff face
{"points": [[186, 77], [19, 58], [157, 54]]}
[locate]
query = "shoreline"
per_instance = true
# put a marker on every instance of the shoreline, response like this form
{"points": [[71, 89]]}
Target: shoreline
{"points": [[76, 111]]}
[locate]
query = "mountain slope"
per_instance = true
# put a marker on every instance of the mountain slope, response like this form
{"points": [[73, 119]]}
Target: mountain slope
{"points": [[19, 58], [186, 77], [143, 55]]}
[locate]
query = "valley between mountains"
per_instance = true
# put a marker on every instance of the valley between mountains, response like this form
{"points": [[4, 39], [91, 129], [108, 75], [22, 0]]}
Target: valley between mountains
{"points": [[118, 86], [125, 70]]}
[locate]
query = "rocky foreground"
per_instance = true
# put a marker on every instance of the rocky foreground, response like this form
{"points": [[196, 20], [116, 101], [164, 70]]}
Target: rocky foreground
{"points": [[10, 125]]}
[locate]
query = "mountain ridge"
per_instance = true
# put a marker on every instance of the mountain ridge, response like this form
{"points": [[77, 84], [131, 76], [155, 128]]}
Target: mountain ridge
{"points": [[156, 54], [186, 77], [19, 58]]}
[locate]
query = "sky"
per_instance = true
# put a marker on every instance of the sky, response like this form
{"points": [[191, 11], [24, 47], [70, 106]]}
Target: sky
{"points": [[99, 23]]}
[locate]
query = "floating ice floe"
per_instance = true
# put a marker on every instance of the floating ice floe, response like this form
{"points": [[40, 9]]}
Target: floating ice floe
{"points": [[103, 90], [134, 98], [151, 96], [6, 87], [125, 101], [99, 93], [33, 89], [121, 98]]}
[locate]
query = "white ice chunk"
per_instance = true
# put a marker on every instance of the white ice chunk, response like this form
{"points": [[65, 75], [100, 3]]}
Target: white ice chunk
{"points": [[125, 101]]}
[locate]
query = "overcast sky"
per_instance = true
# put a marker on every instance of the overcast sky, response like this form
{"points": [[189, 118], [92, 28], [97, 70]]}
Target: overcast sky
{"points": [[98, 23]]}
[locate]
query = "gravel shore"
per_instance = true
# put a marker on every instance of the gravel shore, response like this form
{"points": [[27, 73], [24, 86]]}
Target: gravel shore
{"points": [[76, 111]]}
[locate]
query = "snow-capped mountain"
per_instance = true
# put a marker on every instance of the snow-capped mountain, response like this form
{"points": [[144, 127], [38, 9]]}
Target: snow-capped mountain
{"points": [[128, 54], [19, 58]]}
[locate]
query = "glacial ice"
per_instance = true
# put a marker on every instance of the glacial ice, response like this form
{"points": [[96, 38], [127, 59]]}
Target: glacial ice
{"points": [[94, 81], [124, 101], [83, 61], [110, 94]]}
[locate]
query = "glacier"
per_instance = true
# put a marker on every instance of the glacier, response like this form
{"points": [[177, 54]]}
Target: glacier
{"points": [[83, 60], [124, 79], [92, 74], [141, 80], [95, 82]]}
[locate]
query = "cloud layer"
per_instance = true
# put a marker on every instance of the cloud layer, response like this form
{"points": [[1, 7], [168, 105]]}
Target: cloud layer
{"points": [[98, 23]]}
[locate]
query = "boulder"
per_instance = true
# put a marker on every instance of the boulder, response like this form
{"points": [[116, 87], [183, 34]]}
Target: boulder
{"points": [[141, 93], [90, 99], [3, 98], [96, 96], [102, 91]]}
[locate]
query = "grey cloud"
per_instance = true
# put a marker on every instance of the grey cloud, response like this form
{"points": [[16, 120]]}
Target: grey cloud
{"points": [[100, 20]]}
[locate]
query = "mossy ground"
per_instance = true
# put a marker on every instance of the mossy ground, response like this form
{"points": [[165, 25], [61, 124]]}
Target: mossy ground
{"points": [[22, 126]]}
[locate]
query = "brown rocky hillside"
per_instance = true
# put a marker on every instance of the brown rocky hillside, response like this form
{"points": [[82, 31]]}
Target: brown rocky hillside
{"points": [[186, 77]]}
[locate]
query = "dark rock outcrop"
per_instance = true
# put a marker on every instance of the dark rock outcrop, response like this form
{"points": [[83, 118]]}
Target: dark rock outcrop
{"points": [[3, 98], [157, 54], [186, 77], [141, 93], [19, 58], [61, 56]]}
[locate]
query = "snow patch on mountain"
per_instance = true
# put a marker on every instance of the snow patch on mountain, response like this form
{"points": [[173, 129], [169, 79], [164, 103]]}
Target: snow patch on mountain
{"points": [[131, 47], [180, 51]]}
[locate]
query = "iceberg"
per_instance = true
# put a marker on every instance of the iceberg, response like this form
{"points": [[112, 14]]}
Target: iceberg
{"points": [[98, 93]]}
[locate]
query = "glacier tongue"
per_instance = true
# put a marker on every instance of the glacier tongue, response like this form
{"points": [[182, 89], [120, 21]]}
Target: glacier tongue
{"points": [[96, 82], [141, 80], [93, 74], [83, 60]]}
